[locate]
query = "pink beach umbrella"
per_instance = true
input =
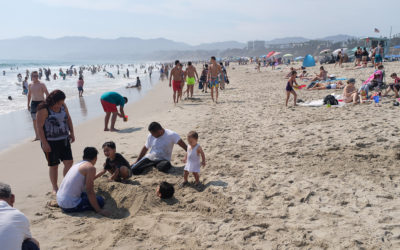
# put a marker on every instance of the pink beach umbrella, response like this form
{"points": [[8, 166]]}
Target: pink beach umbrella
{"points": [[270, 53]]}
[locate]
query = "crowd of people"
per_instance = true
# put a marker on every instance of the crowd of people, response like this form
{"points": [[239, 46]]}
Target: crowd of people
{"points": [[54, 128], [375, 83]]}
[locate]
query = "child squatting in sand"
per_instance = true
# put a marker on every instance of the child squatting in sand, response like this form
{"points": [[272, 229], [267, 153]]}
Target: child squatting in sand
{"points": [[115, 164], [192, 158]]}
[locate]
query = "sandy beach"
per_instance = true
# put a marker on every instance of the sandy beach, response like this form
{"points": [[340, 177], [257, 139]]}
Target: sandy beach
{"points": [[276, 177]]}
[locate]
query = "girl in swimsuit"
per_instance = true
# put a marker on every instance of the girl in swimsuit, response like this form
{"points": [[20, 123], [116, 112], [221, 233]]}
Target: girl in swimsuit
{"points": [[289, 88]]}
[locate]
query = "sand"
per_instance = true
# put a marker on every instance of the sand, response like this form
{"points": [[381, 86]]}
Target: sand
{"points": [[276, 177]]}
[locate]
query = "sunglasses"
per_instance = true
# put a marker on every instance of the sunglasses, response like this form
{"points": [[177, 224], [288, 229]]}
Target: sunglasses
{"points": [[35, 76]]}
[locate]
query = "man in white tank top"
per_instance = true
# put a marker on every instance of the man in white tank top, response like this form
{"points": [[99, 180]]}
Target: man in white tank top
{"points": [[71, 196]]}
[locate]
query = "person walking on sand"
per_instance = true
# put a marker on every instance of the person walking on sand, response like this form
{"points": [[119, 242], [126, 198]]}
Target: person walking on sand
{"points": [[290, 89], [190, 74], [37, 92], [213, 73], [71, 197], [110, 101], [176, 78], [56, 134], [14, 226]]}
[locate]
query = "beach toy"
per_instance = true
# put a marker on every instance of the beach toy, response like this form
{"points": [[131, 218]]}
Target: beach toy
{"points": [[376, 99], [300, 86], [126, 118]]}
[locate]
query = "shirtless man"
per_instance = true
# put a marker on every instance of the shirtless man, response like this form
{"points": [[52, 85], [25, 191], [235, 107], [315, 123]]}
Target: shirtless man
{"points": [[36, 93], [176, 78], [213, 73], [190, 74]]}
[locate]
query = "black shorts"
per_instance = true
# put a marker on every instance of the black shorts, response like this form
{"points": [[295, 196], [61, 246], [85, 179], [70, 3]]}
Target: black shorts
{"points": [[392, 86], [60, 151]]}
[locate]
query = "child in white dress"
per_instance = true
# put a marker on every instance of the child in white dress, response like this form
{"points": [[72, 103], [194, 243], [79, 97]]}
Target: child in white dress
{"points": [[194, 158]]}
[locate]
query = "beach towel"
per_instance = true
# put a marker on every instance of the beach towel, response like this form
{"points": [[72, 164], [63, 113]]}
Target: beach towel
{"points": [[320, 102], [372, 77]]}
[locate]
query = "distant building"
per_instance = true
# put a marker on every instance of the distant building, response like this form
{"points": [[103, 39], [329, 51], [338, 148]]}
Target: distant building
{"points": [[255, 45], [250, 45], [259, 45]]}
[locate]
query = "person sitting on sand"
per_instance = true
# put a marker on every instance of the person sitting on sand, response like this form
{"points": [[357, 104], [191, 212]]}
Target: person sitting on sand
{"points": [[395, 87], [115, 164], [320, 86], [304, 75], [350, 93], [165, 190], [289, 88], [194, 159], [160, 141], [110, 101], [321, 76], [14, 226], [70, 196]]}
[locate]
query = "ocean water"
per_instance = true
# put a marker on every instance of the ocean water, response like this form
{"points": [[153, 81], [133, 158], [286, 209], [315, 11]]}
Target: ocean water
{"points": [[15, 119], [94, 83]]}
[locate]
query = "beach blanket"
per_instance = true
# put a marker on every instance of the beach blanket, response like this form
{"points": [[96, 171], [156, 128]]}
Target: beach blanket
{"points": [[372, 77], [320, 102]]}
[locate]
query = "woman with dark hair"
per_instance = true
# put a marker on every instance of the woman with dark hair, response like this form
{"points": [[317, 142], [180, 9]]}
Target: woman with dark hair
{"points": [[56, 132]]}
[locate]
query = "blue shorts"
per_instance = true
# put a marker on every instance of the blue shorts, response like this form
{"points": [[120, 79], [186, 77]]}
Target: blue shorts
{"points": [[214, 83], [84, 205], [80, 88], [378, 58]]}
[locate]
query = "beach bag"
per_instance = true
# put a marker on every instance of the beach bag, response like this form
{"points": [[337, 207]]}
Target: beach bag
{"points": [[330, 99]]}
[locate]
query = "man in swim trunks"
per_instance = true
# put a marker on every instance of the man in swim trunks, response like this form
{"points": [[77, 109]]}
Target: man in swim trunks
{"points": [[213, 73], [36, 95], [176, 78], [190, 74], [110, 101]]}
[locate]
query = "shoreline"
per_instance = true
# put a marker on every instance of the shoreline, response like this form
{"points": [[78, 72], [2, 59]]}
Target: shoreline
{"points": [[83, 109]]}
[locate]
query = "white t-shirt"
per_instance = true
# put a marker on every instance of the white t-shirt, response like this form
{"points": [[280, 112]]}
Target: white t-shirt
{"points": [[14, 227], [161, 147]]}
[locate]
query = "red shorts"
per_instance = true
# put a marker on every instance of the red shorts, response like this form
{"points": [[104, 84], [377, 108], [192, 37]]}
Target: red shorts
{"points": [[176, 85], [108, 106]]}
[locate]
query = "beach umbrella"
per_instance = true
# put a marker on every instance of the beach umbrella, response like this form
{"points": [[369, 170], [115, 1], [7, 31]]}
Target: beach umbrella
{"points": [[325, 51], [287, 55], [270, 53], [276, 54], [299, 58], [337, 51]]}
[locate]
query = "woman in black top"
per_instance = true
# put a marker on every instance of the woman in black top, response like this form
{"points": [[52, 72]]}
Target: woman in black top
{"points": [[115, 164]]}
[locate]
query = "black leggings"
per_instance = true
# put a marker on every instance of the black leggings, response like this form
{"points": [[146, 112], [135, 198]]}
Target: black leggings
{"points": [[144, 163]]}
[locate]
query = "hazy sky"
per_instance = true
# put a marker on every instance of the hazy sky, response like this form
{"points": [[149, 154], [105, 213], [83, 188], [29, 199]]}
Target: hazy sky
{"points": [[195, 21]]}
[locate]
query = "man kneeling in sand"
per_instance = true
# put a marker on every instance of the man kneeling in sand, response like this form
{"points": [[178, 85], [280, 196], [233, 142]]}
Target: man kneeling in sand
{"points": [[70, 196], [160, 141]]}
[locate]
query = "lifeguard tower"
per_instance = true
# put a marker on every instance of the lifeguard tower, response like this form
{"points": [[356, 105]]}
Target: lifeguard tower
{"points": [[370, 42]]}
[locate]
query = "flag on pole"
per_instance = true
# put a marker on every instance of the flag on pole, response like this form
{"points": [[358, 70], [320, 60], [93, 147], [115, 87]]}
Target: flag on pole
{"points": [[376, 30]]}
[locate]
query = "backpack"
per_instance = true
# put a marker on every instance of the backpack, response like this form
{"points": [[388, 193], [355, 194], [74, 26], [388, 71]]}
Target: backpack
{"points": [[331, 100]]}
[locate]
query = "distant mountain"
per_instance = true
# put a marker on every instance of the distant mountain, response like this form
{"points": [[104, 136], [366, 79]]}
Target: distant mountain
{"points": [[220, 46], [84, 48], [337, 38], [287, 40]]}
